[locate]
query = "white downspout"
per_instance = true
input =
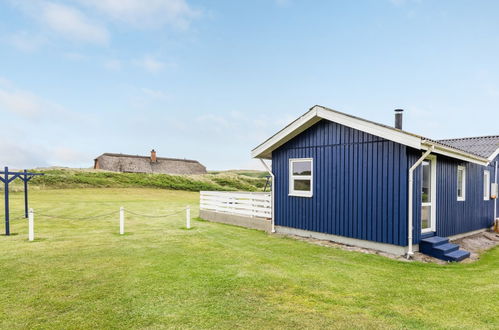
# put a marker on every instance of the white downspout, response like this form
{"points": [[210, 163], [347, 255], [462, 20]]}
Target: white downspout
{"points": [[410, 252], [272, 194], [495, 200]]}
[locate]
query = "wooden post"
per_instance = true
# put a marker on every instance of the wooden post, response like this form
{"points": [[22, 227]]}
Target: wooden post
{"points": [[188, 217], [122, 220], [6, 192], [25, 194], [31, 225]]}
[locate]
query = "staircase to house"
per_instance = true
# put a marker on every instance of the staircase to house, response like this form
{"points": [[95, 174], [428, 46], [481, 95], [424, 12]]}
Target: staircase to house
{"points": [[440, 248]]}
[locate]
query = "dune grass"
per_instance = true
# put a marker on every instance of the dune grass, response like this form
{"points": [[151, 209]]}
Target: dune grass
{"points": [[89, 178], [83, 275]]}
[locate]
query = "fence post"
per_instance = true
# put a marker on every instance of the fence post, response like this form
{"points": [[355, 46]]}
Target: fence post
{"points": [[31, 225], [188, 217], [253, 209], [122, 220]]}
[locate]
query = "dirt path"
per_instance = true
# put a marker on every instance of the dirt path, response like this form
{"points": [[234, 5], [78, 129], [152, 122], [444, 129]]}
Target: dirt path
{"points": [[476, 244]]}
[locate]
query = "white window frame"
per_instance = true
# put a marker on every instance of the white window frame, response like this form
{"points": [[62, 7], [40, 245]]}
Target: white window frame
{"points": [[292, 178], [463, 186], [486, 185], [433, 198]]}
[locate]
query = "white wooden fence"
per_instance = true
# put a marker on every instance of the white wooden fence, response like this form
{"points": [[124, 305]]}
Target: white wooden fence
{"points": [[250, 204]]}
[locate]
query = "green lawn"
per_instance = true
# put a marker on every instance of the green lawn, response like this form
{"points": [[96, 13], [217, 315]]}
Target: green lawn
{"points": [[82, 274]]}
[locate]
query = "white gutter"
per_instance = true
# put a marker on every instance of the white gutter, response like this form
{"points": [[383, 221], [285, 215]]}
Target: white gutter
{"points": [[410, 252], [273, 194]]}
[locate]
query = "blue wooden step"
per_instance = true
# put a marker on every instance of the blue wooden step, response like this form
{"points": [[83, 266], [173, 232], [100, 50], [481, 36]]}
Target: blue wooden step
{"points": [[443, 249], [439, 247], [434, 241], [457, 255]]}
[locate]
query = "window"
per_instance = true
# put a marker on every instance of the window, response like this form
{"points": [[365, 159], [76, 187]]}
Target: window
{"points": [[486, 185], [301, 181], [461, 183]]}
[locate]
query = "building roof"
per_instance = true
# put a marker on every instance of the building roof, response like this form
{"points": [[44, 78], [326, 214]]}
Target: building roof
{"points": [[144, 164], [318, 113], [484, 146], [146, 157]]}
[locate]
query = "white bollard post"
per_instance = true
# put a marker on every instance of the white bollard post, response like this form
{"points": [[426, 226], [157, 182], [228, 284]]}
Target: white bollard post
{"points": [[122, 220], [31, 225], [188, 217]]}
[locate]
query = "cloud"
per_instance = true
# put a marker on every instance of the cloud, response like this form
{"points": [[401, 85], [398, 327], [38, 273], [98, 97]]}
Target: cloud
{"points": [[113, 65], [5, 83], [403, 2], [20, 102], [26, 42], [28, 105], [28, 155], [72, 23], [87, 20], [150, 64], [282, 3], [66, 156], [146, 14], [75, 56], [19, 156], [240, 126], [155, 94]]}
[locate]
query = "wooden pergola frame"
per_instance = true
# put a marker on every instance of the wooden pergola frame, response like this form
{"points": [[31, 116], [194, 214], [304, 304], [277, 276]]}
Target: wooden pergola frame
{"points": [[7, 177]]}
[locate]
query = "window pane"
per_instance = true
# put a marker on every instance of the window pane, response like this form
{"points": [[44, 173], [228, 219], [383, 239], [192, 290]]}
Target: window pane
{"points": [[425, 217], [302, 168], [486, 184], [426, 182], [302, 185], [460, 182]]}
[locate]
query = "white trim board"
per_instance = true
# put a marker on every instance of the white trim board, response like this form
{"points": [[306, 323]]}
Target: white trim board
{"points": [[298, 126], [433, 197], [494, 155], [463, 183], [318, 113]]}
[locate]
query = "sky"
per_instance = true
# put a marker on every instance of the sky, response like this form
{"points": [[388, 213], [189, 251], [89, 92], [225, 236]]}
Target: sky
{"points": [[210, 80]]}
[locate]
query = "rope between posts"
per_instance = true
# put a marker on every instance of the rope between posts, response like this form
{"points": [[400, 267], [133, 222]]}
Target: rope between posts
{"points": [[154, 216], [78, 219], [18, 218], [102, 215]]}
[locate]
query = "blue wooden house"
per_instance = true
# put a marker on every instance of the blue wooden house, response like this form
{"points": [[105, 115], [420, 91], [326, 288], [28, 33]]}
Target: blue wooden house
{"points": [[357, 182]]}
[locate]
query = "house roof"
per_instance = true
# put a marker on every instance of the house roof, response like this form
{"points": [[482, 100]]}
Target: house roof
{"points": [[318, 113], [484, 146], [146, 157], [143, 164]]}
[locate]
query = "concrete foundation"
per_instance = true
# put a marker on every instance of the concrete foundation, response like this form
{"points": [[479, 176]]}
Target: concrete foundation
{"points": [[236, 220], [389, 248]]}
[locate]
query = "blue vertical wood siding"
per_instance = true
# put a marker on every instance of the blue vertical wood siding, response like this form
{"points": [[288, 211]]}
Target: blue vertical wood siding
{"points": [[360, 188], [360, 184], [455, 217]]}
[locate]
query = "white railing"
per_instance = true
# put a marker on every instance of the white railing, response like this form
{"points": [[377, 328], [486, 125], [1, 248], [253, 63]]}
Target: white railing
{"points": [[252, 204]]}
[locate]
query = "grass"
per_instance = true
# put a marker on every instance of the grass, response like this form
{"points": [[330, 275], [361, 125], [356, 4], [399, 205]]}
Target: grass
{"points": [[250, 173], [82, 274], [87, 178]]}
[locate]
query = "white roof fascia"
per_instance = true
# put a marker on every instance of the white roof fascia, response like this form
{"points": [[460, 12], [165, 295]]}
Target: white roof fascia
{"points": [[453, 153], [394, 135], [264, 150], [494, 155], [317, 113]]}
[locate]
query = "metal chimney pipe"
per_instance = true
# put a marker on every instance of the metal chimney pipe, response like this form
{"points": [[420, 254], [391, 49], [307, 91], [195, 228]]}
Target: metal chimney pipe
{"points": [[398, 118]]}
